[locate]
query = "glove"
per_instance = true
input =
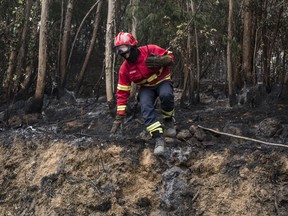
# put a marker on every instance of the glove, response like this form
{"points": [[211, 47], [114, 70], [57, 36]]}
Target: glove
{"points": [[117, 124], [156, 61]]}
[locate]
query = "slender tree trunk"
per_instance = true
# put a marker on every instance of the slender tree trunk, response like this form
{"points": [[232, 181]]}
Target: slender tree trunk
{"points": [[232, 100], [65, 41], [30, 69], [31, 62], [91, 46], [265, 56], [246, 46], [197, 55], [23, 44], [37, 103], [285, 73], [135, 5], [266, 48], [188, 91], [286, 79], [77, 33], [27, 79], [108, 51], [56, 77], [255, 56], [9, 75]]}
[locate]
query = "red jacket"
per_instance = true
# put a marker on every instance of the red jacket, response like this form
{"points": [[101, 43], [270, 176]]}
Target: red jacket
{"points": [[140, 74]]}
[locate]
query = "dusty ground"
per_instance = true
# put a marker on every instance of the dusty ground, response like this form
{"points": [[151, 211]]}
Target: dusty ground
{"points": [[64, 162]]}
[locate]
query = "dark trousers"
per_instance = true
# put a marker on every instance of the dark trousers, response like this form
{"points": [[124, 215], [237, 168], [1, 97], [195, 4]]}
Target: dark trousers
{"points": [[147, 97]]}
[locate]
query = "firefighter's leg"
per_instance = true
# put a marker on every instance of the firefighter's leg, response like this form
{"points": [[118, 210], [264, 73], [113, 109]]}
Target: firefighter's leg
{"points": [[147, 97], [166, 95]]}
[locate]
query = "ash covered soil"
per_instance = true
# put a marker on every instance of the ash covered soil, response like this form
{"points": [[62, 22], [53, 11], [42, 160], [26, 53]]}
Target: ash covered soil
{"points": [[64, 161]]}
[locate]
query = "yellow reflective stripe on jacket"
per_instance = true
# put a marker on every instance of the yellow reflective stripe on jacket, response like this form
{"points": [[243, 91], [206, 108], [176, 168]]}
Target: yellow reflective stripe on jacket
{"points": [[155, 76], [123, 87], [142, 82], [155, 126], [168, 77], [121, 108], [151, 78]]}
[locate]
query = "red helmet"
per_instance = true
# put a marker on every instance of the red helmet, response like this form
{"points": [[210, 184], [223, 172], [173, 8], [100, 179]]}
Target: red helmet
{"points": [[124, 38]]}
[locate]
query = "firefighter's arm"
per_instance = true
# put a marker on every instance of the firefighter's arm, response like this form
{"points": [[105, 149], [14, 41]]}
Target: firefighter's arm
{"points": [[123, 92]]}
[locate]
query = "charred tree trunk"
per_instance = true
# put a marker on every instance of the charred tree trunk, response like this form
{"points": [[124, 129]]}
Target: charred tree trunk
{"points": [[65, 40], [36, 104]]}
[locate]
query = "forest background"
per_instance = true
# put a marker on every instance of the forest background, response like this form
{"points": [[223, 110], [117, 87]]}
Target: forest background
{"points": [[48, 47]]}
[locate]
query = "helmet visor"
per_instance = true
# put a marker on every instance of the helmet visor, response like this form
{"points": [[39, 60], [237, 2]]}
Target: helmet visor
{"points": [[122, 49]]}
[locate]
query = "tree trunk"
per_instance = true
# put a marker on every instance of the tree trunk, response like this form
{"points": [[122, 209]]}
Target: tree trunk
{"points": [[56, 76], [65, 40], [108, 51], [246, 46], [197, 55], [31, 62], [77, 33], [232, 100], [37, 103], [91, 46], [135, 5], [23, 44], [285, 73], [9, 75], [187, 97]]}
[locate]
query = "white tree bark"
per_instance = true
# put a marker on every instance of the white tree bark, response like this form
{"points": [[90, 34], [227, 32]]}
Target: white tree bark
{"points": [[65, 40], [108, 50], [229, 53], [39, 93]]}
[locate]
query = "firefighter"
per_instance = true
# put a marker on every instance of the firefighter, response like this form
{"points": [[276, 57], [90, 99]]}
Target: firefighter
{"points": [[148, 67]]}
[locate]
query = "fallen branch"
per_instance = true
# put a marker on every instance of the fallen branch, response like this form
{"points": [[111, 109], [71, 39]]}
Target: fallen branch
{"points": [[242, 137]]}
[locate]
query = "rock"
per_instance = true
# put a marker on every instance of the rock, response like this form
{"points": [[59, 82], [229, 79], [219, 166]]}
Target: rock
{"points": [[175, 189], [269, 127], [181, 156], [198, 133], [184, 134]]}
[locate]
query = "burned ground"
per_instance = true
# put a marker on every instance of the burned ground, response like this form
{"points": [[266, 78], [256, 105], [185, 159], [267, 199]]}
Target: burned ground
{"points": [[64, 161]]}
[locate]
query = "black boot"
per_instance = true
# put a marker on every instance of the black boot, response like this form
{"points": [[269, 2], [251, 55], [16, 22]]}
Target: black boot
{"points": [[159, 143], [169, 127]]}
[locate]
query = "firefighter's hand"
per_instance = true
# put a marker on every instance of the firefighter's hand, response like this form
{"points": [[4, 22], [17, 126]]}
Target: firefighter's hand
{"points": [[156, 61], [117, 124]]}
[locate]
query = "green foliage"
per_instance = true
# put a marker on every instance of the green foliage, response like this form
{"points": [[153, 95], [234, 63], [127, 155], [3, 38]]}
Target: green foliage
{"points": [[158, 22], [11, 19]]}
